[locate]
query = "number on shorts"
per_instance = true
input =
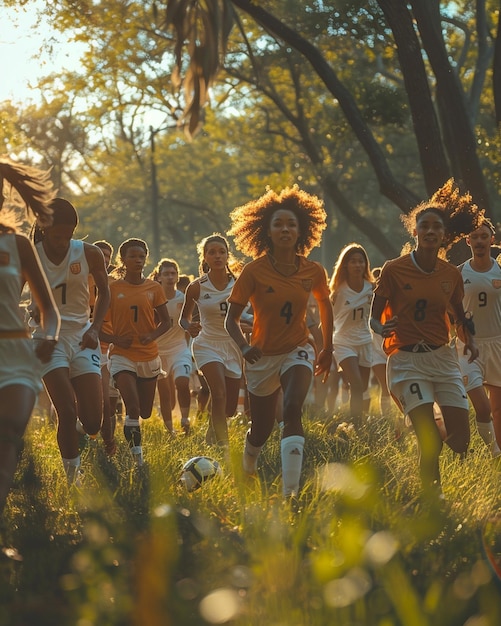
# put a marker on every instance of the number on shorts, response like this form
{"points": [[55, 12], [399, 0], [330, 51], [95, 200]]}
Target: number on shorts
{"points": [[302, 354], [414, 389]]}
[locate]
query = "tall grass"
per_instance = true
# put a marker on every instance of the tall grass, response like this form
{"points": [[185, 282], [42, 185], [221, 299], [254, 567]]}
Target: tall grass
{"points": [[360, 547]]}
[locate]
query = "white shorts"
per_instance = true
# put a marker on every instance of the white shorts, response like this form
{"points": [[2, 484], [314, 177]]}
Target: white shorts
{"points": [[484, 370], [225, 352], [68, 353], [363, 352], [426, 377], [179, 363], [379, 356], [105, 363], [19, 365], [263, 377], [142, 369]]}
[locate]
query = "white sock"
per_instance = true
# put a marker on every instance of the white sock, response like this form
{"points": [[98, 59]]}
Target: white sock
{"points": [[71, 467], [137, 454], [251, 454], [486, 431], [292, 461], [130, 422]]}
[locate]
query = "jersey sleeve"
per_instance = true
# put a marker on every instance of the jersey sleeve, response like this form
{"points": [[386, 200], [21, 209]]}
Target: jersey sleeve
{"points": [[320, 287], [243, 287]]}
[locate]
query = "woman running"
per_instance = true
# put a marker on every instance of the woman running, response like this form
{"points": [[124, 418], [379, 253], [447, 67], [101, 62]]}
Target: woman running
{"points": [[413, 297], [73, 375], [136, 304], [177, 362], [351, 296], [278, 231], [20, 357], [216, 354]]}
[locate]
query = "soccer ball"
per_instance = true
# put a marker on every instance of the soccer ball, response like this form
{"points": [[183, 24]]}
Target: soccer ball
{"points": [[199, 470]]}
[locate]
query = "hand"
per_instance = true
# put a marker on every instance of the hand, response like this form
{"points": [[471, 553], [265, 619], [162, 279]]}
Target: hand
{"points": [[122, 342], [194, 329], [251, 354], [144, 340], [44, 349], [90, 339], [471, 347], [389, 327], [323, 364]]}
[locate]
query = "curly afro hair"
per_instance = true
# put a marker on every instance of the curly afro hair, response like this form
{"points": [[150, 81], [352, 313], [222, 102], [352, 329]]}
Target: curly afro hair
{"points": [[458, 212], [250, 222]]}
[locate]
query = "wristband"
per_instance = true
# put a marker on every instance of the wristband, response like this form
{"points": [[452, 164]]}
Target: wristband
{"points": [[51, 338]]}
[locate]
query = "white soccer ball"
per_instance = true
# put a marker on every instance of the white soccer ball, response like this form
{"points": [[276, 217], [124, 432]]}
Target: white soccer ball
{"points": [[199, 470]]}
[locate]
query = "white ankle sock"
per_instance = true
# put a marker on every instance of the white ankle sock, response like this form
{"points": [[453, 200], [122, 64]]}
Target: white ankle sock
{"points": [[71, 467], [251, 454], [486, 431], [292, 461]]}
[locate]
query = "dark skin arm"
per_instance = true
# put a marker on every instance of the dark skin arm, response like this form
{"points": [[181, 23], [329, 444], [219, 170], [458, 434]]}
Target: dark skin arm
{"points": [[190, 297], [97, 268], [49, 315], [324, 359], [163, 325]]}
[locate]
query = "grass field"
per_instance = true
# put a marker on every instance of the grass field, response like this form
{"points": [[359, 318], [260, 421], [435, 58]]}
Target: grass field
{"points": [[359, 548]]}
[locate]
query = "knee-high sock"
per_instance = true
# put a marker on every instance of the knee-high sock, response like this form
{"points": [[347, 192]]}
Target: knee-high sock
{"points": [[292, 449]]}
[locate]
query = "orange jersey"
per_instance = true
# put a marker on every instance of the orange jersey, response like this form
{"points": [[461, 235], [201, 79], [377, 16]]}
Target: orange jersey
{"points": [[420, 300], [132, 314], [279, 303]]}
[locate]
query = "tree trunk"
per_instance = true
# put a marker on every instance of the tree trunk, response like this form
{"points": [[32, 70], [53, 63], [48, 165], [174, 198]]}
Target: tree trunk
{"points": [[452, 103]]}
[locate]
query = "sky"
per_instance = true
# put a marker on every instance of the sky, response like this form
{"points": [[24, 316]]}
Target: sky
{"points": [[21, 57]]}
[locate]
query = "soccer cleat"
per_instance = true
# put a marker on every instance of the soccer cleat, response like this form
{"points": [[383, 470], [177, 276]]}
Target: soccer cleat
{"points": [[185, 425]]}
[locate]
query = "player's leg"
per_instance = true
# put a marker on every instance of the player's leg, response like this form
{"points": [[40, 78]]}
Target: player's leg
{"points": [[15, 411]]}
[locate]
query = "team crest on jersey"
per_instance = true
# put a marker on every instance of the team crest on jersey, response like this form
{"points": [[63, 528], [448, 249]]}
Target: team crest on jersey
{"points": [[307, 284], [446, 286], [496, 283], [4, 258], [75, 268]]}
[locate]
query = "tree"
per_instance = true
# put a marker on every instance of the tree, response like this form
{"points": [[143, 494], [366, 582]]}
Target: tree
{"points": [[205, 26]]}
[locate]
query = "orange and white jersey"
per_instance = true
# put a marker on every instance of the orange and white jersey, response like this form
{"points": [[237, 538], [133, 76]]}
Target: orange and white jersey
{"points": [[421, 301], [132, 314], [279, 302], [69, 282], [351, 315]]}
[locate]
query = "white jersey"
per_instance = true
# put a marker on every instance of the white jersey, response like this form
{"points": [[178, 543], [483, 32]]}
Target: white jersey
{"points": [[351, 315], [11, 283], [69, 282], [482, 296], [212, 306], [175, 338]]}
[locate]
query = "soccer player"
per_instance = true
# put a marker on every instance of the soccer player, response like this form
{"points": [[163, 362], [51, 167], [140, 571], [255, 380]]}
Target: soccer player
{"points": [[73, 375], [482, 298], [216, 354], [351, 296], [173, 348], [20, 357], [278, 231], [138, 316], [413, 296]]}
